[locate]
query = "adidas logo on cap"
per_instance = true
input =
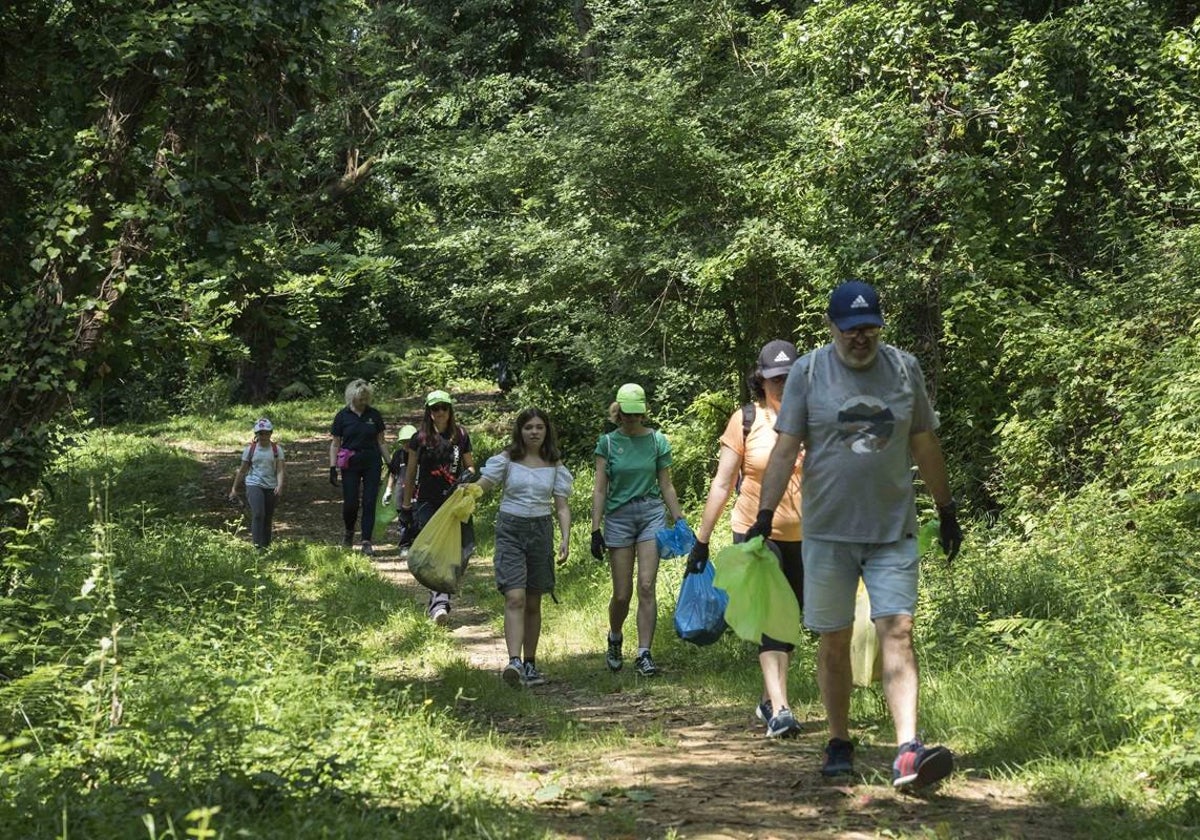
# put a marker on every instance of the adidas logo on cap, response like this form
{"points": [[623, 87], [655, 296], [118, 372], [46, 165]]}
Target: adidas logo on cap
{"points": [[859, 303], [783, 357]]}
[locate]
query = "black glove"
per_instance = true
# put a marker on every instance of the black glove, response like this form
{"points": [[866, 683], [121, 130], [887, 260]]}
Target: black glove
{"points": [[762, 525], [406, 517], [950, 534], [598, 544], [697, 558], [467, 477], [333, 476]]}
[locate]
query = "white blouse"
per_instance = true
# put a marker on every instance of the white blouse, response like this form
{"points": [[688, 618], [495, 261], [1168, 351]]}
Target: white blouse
{"points": [[528, 491]]}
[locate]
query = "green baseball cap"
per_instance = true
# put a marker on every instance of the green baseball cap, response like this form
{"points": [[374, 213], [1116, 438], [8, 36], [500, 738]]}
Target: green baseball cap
{"points": [[631, 398], [406, 432], [438, 398]]}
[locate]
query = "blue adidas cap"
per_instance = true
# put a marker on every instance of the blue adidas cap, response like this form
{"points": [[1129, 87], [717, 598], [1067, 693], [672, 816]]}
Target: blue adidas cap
{"points": [[855, 304]]}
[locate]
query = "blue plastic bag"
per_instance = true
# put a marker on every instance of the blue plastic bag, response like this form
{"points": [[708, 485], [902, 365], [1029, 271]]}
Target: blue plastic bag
{"points": [[675, 542], [700, 610]]}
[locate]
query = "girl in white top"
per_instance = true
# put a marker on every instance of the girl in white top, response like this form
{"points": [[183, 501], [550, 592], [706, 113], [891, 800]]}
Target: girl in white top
{"points": [[262, 470], [536, 487]]}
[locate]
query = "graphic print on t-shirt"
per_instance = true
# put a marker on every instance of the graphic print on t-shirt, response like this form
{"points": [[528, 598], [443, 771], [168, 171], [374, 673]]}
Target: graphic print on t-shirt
{"points": [[865, 424]]}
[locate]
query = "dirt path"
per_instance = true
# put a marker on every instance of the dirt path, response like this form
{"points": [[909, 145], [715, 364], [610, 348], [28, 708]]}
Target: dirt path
{"points": [[707, 772]]}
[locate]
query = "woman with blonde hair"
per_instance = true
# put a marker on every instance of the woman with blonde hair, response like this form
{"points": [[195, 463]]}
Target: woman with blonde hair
{"points": [[358, 448], [633, 483]]}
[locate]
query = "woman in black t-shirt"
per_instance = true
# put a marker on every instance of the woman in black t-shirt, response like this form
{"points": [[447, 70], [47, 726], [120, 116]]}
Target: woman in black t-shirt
{"points": [[439, 458], [359, 450]]}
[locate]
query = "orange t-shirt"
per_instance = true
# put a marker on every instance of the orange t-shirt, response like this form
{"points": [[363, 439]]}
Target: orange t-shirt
{"points": [[755, 452]]}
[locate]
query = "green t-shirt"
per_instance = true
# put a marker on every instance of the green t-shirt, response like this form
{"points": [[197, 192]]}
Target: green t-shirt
{"points": [[632, 465]]}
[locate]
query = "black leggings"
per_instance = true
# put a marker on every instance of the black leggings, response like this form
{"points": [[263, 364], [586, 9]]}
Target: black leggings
{"points": [[369, 478], [791, 560]]}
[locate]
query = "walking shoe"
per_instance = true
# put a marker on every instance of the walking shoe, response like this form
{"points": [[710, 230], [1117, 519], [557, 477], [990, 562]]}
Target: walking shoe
{"points": [[917, 766], [348, 540], [783, 725], [368, 549], [645, 666], [763, 711], [839, 758], [513, 674], [440, 616], [613, 659], [533, 676]]}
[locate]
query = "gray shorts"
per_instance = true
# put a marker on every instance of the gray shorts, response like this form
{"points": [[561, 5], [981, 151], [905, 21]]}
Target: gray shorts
{"points": [[831, 573], [524, 557], [635, 521]]}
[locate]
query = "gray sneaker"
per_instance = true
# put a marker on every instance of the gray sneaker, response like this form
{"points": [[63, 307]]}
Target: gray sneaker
{"points": [[613, 658], [645, 666], [513, 674], [763, 711], [783, 724], [839, 758], [532, 675]]}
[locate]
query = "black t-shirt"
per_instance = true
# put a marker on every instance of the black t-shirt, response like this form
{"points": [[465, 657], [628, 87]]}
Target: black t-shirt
{"points": [[399, 462], [360, 433], [438, 467]]}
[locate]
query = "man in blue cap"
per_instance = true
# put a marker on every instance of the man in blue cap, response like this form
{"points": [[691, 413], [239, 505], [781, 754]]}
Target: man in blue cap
{"points": [[860, 409]]}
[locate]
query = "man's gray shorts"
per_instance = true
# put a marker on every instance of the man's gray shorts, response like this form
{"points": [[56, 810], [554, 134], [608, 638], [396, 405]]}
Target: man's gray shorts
{"points": [[831, 573], [524, 557]]}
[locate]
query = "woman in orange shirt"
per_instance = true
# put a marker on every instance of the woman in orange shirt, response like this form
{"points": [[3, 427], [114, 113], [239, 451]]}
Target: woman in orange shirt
{"points": [[745, 447]]}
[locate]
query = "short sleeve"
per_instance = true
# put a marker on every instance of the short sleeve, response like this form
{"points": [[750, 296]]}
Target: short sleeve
{"points": [[466, 440], [338, 425], [279, 453], [495, 469], [563, 481], [601, 450], [246, 453], [734, 437]]}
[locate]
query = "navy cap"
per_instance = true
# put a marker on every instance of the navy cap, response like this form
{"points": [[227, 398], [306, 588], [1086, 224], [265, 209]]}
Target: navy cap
{"points": [[855, 304]]}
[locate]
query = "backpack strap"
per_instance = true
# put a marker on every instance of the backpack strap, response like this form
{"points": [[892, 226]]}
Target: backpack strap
{"points": [[748, 412]]}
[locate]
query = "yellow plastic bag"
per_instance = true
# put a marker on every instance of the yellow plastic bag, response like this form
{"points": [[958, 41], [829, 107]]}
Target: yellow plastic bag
{"points": [[436, 558], [761, 600], [866, 654]]}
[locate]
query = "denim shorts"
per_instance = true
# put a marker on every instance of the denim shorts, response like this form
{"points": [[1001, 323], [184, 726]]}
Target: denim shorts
{"points": [[635, 521], [831, 573], [524, 555]]}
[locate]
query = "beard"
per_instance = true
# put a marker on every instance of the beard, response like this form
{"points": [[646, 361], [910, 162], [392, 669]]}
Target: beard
{"points": [[856, 361]]}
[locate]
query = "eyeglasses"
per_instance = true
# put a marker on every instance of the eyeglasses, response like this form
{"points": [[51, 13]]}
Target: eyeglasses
{"points": [[865, 332]]}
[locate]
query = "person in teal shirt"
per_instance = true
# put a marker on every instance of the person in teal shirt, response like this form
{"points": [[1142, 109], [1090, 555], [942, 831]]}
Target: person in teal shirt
{"points": [[633, 485]]}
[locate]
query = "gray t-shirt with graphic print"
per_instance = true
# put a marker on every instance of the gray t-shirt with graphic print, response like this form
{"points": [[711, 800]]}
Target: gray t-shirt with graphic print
{"points": [[855, 425]]}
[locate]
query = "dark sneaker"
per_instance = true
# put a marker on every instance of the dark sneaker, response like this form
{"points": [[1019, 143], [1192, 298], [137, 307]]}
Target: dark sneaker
{"points": [[783, 725], [533, 676], [839, 758], [645, 666], [513, 674], [763, 711], [613, 658], [368, 549], [917, 766], [348, 540]]}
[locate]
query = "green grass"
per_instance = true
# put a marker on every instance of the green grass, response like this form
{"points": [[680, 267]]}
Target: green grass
{"points": [[296, 693]]}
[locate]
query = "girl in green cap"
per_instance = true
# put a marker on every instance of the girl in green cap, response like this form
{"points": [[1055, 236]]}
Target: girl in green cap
{"points": [[439, 458], [633, 482]]}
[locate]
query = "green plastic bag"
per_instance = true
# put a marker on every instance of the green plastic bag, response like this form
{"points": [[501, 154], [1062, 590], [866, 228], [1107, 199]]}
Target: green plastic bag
{"points": [[866, 654], [384, 515], [436, 558], [761, 600]]}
